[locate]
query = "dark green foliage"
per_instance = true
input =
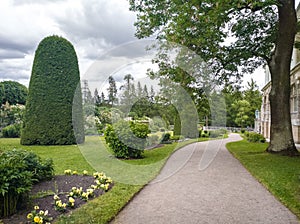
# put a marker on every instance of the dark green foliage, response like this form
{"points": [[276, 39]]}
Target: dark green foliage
{"points": [[54, 93], [177, 125], [255, 137], [127, 140], [13, 93], [165, 138], [11, 131], [19, 169]]}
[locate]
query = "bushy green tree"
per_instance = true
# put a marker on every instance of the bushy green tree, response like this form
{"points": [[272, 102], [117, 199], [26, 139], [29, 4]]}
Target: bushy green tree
{"points": [[127, 139], [261, 32], [13, 93], [53, 114]]}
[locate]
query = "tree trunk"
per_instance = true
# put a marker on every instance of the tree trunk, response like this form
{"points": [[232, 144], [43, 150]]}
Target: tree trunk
{"points": [[281, 136]]}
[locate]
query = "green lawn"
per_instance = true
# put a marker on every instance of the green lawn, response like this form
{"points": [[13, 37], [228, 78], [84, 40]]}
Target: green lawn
{"points": [[129, 175], [279, 174]]}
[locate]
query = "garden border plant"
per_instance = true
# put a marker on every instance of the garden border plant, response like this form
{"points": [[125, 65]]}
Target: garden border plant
{"points": [[19, 170]]}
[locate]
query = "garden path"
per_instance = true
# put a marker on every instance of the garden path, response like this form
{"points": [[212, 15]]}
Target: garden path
{"points": [[224, 192]]}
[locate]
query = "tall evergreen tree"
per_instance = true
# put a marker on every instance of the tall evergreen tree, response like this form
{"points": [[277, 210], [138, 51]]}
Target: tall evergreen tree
{"points": [[53, 114], [139, 90], [97, 99], [145, 91], [112, 90]]}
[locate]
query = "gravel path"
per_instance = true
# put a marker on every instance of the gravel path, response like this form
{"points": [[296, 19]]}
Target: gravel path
{"points": [[223, 192]]}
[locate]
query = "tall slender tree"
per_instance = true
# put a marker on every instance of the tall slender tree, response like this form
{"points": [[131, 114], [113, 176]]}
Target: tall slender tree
{"points": [[112, 90], [54, 114]]}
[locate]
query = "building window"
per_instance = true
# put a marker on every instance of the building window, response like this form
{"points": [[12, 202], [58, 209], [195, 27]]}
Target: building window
{"points": [[294, 98]]}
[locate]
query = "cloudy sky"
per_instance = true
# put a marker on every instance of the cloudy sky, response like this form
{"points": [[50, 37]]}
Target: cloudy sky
{"points": [[95, 27]]}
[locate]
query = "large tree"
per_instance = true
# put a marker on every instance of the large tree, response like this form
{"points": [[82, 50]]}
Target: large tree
{"points": [[53, 114], [234, 37], [13, 93]]}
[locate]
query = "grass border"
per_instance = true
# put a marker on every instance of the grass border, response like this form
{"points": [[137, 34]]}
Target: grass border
{"points": [[275, 172]]}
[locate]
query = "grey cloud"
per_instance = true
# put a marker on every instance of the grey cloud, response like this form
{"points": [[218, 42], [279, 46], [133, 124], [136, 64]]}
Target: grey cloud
{"points": [[16, 45], [9, 54], [104, 22]]}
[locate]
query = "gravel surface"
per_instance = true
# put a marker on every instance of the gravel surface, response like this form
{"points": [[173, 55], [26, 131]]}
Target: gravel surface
{"points": [[192, 190]]}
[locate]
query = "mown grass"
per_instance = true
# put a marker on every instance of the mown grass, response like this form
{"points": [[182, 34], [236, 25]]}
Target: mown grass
{"points": [[279, 174], [92, 156]]}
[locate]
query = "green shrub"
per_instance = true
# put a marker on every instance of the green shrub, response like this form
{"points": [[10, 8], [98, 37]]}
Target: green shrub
{"points": [[19, 169], [127, 139], [165, 137], [254, 137], [217, 133], [204, 133], [11, 131], [54, 114]]}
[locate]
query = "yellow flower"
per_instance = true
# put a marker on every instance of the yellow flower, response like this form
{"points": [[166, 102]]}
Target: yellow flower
{"points": [[41, 220], [90, 191], [41, 212], [29, 216], [75, 172], [36, 207], [95, 174], [36, 219], [71, 200], [58, 203], [85, 172], [55, 197], [68, 172], [64, 205]]}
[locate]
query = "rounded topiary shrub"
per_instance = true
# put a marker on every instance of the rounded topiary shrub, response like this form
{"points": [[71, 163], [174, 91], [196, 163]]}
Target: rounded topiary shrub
{"points": [[127, 139], [54, 96]]}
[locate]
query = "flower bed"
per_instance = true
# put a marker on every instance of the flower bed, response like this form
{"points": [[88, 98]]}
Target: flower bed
{"points": [[44, 194]]}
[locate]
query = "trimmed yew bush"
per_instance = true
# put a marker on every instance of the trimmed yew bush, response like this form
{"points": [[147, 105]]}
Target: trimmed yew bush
{"points": [[54, 93]]}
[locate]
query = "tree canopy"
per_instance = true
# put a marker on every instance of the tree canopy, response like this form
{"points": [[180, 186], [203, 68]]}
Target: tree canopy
{"points": [[233, 37], [13, 93]]}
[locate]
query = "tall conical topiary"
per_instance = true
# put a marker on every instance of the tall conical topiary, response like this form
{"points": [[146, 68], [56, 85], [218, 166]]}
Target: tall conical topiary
{"points": [[53, 114]]}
